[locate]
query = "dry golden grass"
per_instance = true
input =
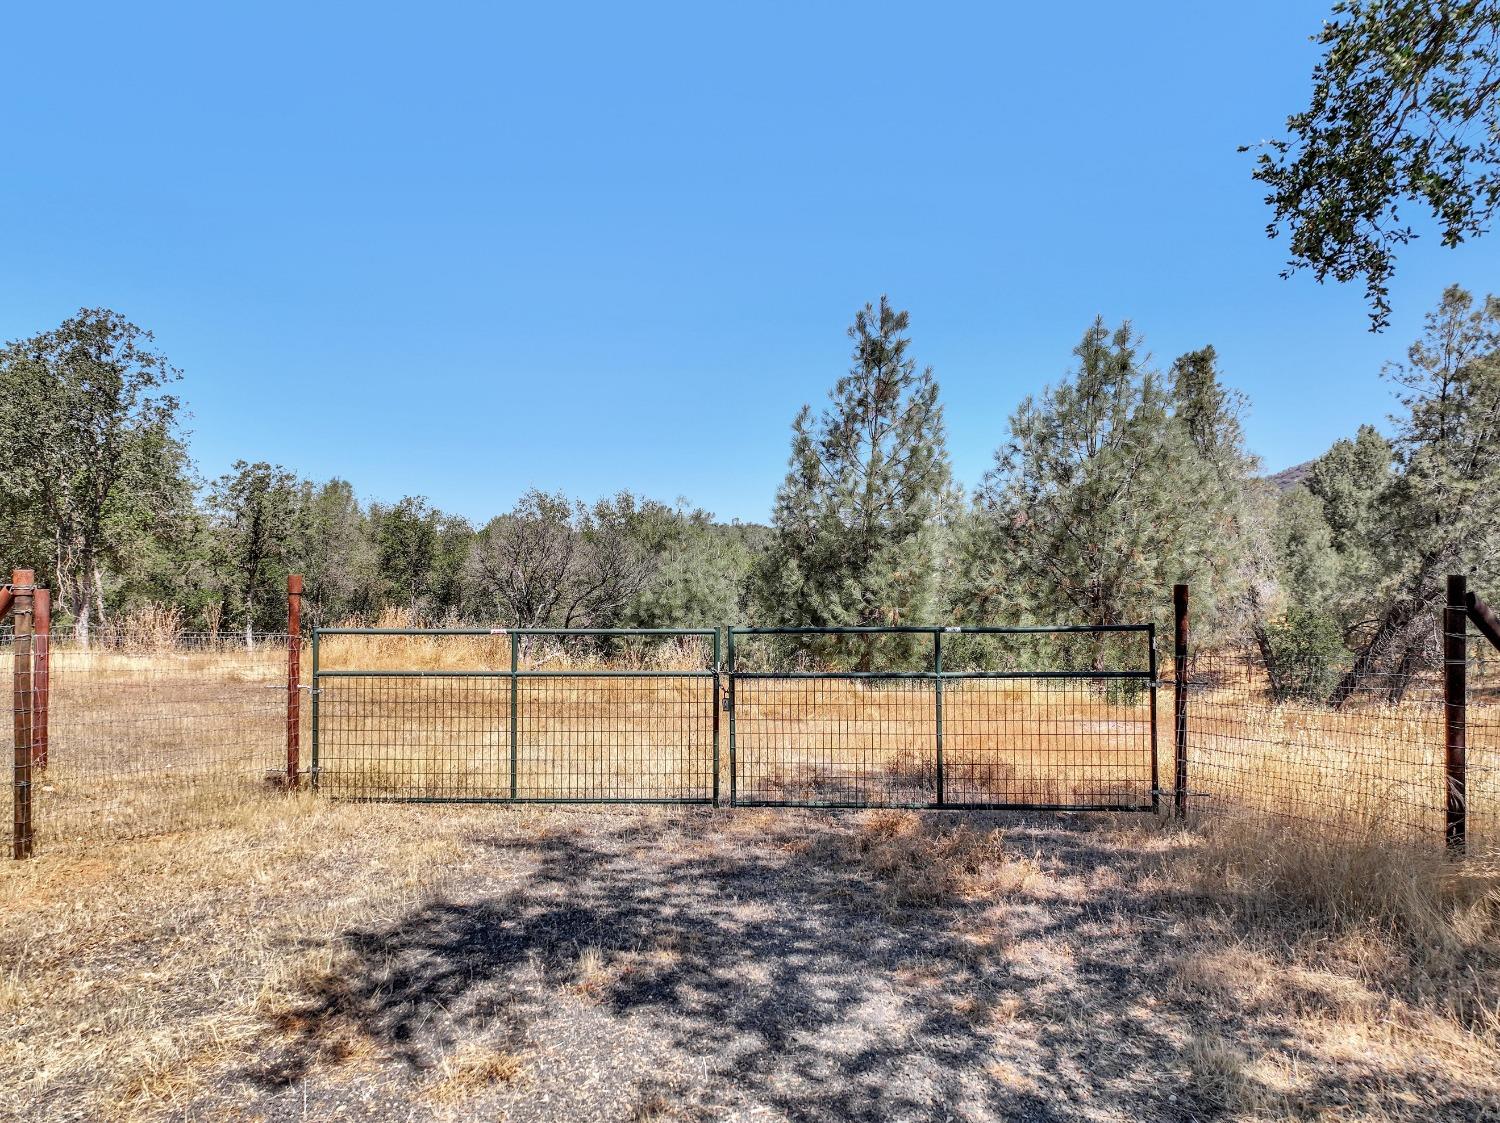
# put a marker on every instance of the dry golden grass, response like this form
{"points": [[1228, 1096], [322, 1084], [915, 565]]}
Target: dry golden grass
{"points": [[473, 1069], [139, 971], [917, 865], [1310, 888], [1379, 955]]}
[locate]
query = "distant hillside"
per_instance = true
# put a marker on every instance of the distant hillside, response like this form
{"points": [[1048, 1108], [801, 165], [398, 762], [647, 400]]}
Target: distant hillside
{"points": [[1290, 477]]}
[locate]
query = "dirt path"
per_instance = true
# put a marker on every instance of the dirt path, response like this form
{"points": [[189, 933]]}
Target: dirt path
{"points": [[699, 966]]}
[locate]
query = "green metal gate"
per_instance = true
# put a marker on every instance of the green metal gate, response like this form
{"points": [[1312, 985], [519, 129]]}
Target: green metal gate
{"points": [[964, 718], [556, 715]]}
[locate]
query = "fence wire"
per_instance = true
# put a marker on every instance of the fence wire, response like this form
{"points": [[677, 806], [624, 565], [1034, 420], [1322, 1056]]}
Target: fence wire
{"points": [[1372, 764], [154, 734]]}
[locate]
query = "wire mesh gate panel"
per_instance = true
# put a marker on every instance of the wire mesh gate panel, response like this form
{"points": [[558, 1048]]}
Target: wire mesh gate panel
{"points": [[523, 715], [965, 718]]}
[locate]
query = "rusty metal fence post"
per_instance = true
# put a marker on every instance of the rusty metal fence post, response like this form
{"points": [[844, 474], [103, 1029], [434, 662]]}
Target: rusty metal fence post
{"points": [[1455, 712], [1179, 698], [293, 679], [42, 670], [22, 588]]}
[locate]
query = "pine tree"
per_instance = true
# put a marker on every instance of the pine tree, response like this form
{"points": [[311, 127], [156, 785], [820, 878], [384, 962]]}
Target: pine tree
{"points": [[1439, 514], [1213, 470], [1111, 487], [1350, 480], [858, 523]]}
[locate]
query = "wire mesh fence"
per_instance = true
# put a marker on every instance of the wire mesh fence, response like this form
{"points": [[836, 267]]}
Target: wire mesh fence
{"points": [[153, 730], [984, 717], [1373, 763], [146, 734]]}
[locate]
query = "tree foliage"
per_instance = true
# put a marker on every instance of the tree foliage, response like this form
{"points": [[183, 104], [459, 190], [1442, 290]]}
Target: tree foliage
{"points": [[420, 553], [556, 562], [859, 520], [1438, 513], [1108, 488], [89, 451], [253, 510], [1113, 485], [1404, 110]]}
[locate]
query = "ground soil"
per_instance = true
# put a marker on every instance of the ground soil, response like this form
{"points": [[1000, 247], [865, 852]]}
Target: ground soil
{"points": [[405, 963]]}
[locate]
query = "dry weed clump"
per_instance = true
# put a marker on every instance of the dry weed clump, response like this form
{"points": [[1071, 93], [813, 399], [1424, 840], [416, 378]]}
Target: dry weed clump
{"points": [[918, 861], [592, 974], [473, 1069], [1301, 878], [1369, 926]]}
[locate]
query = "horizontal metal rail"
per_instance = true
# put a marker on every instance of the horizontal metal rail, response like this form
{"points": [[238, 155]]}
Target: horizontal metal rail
{"points": [[686, 801], [928, 629], [944, 675], [704, 673], [947, 805], [497, 632]]}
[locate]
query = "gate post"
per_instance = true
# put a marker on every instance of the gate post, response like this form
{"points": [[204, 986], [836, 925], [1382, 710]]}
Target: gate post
{"points": [[23, 583], [293, 679], [515, 683], [1455, 712], [1179, 698], [1155, 754], [42, 661], [313, 766], [937, 679], [734, 764], [714, 700]]}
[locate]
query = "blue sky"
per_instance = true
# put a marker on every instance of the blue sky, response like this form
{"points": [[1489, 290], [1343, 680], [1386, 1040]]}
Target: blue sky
{"points": [[459, 250]]}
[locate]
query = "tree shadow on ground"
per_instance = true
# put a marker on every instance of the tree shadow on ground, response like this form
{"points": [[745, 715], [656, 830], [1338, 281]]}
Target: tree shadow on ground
{"points": [[782, 973]]}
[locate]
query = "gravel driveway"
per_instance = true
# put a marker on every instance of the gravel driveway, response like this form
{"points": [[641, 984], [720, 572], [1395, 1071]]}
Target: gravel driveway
{"points": [[683, 968]]}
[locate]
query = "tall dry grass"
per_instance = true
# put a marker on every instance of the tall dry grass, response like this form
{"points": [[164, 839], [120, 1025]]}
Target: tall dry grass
{"points": [[1377, 952]]}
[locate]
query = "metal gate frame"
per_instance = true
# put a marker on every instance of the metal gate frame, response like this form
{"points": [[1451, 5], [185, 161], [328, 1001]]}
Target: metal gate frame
{"points": [[938, 676], [516, 675]]}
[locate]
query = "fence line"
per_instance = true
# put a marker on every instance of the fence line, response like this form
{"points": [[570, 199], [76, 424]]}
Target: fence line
{"points": [[144, 731], [1413, 755]]}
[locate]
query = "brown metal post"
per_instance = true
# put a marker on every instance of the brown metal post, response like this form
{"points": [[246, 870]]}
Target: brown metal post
{"points": [[42, 662], [22, 582], [1179, 697], [1484, 619], [1455, 710], [293, 678]]}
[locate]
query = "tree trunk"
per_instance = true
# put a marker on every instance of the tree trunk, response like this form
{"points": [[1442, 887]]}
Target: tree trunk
{"points": [[82, 601], [99, 595], [81, 609], [1268, 660], [1406, 668], [1420, 596]]}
